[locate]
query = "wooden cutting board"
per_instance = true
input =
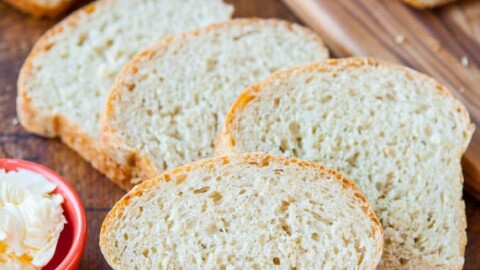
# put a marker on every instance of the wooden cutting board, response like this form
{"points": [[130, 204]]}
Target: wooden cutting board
{"points": [[444, 43]]}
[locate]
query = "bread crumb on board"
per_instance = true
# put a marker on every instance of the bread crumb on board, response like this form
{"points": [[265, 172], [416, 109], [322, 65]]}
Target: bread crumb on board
{"points": [[464, 61], [399, 39], [15, 121]]}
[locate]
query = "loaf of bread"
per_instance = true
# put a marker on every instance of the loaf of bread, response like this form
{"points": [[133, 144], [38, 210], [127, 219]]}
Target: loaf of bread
{"points": [[252, 211], [396, 133], [423, 4], [65, 80], [168, 104], [41, 8]]}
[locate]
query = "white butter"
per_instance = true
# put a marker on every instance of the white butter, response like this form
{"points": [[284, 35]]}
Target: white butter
{"points": [[31, 219]]}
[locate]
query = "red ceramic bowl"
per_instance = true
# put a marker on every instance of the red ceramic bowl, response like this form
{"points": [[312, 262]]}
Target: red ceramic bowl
{"points": [[72, 239]]}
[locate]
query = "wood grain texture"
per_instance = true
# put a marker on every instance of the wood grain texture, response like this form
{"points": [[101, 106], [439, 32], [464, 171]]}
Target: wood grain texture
{"points": [[18, 33]]}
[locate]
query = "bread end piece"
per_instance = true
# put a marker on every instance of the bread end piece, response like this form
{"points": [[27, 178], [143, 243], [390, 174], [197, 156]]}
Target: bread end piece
{"points": [[426, 4], [37, 9]]}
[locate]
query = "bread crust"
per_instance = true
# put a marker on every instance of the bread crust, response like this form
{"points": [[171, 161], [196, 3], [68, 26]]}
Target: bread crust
{"points": [[421, 4], [254, 159], [225, 140], [136, 164], [39, 10]]}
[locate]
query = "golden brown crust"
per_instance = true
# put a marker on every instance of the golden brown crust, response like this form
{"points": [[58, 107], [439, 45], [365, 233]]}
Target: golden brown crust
{"points": [[38, 10], [420, 4], [254, 159], [225, 141], [139, 166]]}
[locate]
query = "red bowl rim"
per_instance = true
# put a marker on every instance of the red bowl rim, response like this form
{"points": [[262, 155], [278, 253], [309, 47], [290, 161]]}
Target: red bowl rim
{"points": [[80, 236]]}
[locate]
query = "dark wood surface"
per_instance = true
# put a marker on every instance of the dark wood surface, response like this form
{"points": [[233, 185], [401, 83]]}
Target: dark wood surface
{"points": [[18, 33]]}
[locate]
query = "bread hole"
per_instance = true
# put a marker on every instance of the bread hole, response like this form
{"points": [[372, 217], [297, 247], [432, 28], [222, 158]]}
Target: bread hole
{"points": [[284, 206], [360, 260], [294, 128], [286, 228], [265, 161], [390, 96], [276, 261], [293, 268], [326, 99], [180, 179], [180, 193], [421, 109], [242, 191], [225, 161], [272, 69], [81, 39], [212, 229], [257, 73], [49, 46], [256, 267], [276, 102], [125, 236], [309, 80], [352, 92], [115, 244], [403, 261], [211, 64], [216, 197], [278, 171], [225, 223], [353, 160], [204, 207], [201, 190], [130, 86], [145, 253], [315, 236], [223, 267], [218, 178], [284, 145]]}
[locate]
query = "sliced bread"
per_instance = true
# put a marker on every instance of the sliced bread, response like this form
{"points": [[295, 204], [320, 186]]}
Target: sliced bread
{"points": [[168, 104], [423, 4], [252, 211], [41, 8], [396, 133], [65, 80]]}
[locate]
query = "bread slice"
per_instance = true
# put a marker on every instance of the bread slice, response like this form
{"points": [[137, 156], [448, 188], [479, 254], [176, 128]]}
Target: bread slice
{"points": [[168, 104], [65, 80], [252, 211], [423, 4], [41, 8], [396, 133]]}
